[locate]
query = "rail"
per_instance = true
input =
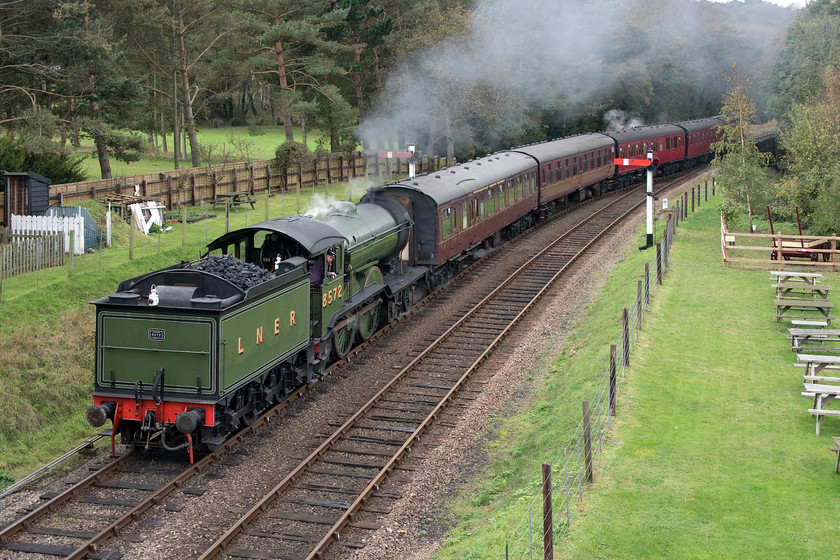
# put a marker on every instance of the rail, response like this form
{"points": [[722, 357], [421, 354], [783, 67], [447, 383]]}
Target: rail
{"points": [[564, 480], [484, 327]]}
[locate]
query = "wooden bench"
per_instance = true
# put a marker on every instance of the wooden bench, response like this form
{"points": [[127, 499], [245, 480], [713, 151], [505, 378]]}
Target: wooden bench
{"points": [[803, 323], [806, 289], [836, 449], [234, 200], [814, 340], [795, 308], [791, 276], [822, 395]]}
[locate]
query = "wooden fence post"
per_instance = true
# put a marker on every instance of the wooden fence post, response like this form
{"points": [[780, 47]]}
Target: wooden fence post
{"points": [[587, 443], [625, 336], [639, 305], [548, 523], [72, 253], [647, 283], [692, 200], [612, 379], [659, 263]]}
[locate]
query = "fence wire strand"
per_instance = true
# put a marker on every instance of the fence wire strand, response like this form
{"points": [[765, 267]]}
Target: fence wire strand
{"points": [[568, 470]]}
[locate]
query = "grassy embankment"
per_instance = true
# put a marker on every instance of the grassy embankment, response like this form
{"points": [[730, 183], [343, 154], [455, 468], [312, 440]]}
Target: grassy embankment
{"points": [[46, 329], [235, 143], [713, 453]]}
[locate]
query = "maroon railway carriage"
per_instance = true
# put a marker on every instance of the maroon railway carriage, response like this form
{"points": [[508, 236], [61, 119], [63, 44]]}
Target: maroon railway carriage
{"points": [[577, 165], [460, 209], [700, 135], [666, 140]]}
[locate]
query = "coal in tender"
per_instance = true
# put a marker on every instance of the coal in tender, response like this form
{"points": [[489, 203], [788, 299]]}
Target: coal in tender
{"points": [[239, 273]]}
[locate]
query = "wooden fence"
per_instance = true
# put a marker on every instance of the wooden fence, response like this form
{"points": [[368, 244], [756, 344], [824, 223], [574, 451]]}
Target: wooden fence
{"points": [[28, 253], [23, 226], [764, 251], [192, 186]]}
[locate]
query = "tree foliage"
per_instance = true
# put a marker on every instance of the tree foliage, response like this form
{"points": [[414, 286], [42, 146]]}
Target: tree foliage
{"points": [[812, 147], [740, 167], [57, 166]]}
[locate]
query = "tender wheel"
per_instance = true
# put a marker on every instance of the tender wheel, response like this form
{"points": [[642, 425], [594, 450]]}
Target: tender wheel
{"points": [[407, 298], [368, 323], [343, 340]]}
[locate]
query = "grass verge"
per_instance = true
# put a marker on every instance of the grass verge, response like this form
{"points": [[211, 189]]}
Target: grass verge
{"points": [[47, 327], [713, 453]]}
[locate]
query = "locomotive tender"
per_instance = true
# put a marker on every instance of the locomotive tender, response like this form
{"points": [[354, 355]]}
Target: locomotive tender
{"points": [[189, 354]]}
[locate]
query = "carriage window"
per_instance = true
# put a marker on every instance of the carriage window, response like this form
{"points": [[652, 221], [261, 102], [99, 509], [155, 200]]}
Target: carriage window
{"points": [[491, 202], [447, 223], [464, 215], [519, 187], [574, 167], [667, 143]]}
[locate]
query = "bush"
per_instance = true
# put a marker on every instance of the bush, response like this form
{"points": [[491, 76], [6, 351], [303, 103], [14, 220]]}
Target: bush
{"points": [[58, 166]]}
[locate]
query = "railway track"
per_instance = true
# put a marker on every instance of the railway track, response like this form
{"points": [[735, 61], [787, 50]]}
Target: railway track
{"points": [[335, 487], [75, 523]]}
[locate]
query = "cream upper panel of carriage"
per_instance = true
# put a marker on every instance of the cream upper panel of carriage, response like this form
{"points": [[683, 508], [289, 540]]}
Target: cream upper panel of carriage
{"points": [[566, 147], [455, 182]]}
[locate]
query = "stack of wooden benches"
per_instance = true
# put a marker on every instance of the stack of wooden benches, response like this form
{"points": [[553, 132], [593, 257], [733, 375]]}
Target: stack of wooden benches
{"points": [[802, 298]]}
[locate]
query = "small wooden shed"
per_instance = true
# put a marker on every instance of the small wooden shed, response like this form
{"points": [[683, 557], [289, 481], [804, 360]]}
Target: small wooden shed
{"points": [[24, 194]]}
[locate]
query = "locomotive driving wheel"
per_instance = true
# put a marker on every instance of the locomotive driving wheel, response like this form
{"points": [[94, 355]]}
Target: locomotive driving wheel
{"points": [[368, 323], [343, 339]]}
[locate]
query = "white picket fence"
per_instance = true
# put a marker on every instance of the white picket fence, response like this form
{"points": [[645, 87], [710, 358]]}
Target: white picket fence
{"points": [[43, 225]]}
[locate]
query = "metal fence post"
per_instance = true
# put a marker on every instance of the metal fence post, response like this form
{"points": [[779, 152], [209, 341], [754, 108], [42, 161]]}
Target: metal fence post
{"points": [[587, 442], [612, 379], [566, 482], [548, 523]]}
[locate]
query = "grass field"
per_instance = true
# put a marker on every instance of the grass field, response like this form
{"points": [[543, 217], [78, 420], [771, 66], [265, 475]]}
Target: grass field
{"points": [[713, 454], [236, 143], [46, 327]]}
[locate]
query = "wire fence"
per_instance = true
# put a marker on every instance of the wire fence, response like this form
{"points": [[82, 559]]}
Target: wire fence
{"points": [[564, 480]]}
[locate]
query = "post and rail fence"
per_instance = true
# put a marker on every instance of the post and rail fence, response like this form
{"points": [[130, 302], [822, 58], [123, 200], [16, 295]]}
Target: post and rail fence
{"points": [[766, 251], [194, 185]]}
